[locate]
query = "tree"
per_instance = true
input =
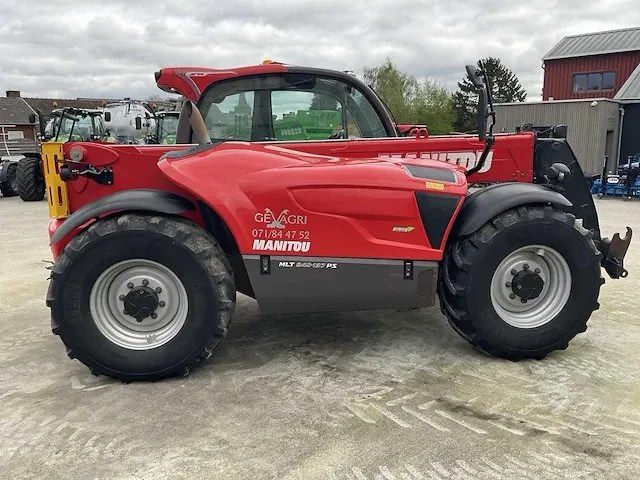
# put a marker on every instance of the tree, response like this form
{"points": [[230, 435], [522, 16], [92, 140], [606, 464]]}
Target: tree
{"points": [[505, 88], [433, 107], [323, 102], [412, 101], [397, 89]]}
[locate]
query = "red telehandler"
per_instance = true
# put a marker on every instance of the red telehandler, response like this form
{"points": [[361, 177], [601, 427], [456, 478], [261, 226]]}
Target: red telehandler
{"points": [[152, 242]]}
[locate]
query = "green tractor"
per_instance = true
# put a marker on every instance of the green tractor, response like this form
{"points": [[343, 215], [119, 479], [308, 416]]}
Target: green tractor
{"points": [[312, 124], [165, 128], [65, 125]]}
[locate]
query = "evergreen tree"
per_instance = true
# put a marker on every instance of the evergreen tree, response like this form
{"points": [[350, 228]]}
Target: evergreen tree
{"points": [[505, 88]]}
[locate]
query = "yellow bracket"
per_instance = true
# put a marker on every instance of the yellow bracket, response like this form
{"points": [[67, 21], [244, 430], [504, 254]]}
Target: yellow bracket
{"points": [[52, 159]]}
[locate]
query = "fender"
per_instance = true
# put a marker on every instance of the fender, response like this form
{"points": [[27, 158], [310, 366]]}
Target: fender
{"points": [[138, 199], [480, 207]]}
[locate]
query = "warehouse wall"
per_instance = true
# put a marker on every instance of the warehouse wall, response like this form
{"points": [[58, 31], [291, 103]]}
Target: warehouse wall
{"points": [[592, 131], [558, 74]]}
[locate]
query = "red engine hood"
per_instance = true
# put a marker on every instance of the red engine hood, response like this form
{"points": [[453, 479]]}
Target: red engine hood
{"points": [[240, 159]]}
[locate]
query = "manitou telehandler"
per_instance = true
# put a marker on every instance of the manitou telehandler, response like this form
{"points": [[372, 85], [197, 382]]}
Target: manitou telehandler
{"points": [[151, 243]]}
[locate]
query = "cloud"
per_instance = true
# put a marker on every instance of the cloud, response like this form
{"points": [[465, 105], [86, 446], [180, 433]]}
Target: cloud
{"points": [[73, 48]]}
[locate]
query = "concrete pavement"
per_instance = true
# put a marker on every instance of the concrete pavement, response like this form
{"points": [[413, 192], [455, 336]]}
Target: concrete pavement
{"points": [[366, 395]]}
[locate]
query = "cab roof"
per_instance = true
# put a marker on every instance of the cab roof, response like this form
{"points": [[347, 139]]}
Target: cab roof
{"points": [[191, 81]]}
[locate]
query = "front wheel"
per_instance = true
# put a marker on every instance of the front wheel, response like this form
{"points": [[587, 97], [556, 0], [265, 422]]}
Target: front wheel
{"points": [[141, 297], [30, 180], [523, 285]]}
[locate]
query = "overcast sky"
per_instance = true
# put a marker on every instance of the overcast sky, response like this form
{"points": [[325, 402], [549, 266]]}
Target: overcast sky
{"points": [[110, 48]]}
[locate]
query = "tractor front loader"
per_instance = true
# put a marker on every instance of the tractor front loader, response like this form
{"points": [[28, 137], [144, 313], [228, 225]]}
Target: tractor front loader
{"points": [[152, 242]]}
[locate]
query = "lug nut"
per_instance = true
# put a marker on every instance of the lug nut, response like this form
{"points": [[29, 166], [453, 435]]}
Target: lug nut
{"points": [[519, 287], [122, 297], [158, 290], [154, 315], [523, 301], [129, 285], [512, 296], [141, 292], [537, 270], [508, 284], [526, 266], [145, 282], [514, 272], [139, 320], [162, 303], [125, 312]]}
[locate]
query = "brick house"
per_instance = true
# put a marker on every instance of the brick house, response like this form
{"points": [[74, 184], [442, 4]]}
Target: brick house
{"points": [[14, 118]]}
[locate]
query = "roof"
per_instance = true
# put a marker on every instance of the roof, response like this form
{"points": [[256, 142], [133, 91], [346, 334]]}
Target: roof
{"points": [[597, 43], [14, 111], [46, 104], [75, 110], [553, 102], [631, 88]]}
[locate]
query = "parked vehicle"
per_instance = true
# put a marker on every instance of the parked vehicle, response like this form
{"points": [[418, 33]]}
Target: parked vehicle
{"points": [[65, 125], [151, 243]]}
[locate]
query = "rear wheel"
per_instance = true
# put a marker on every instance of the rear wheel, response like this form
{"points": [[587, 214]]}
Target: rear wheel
{"points": [[523, 285], [9, 187], [141, 297], [30, 180]]}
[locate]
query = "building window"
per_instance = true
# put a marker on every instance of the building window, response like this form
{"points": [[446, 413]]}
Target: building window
{"points": [[15, 135], [592, 82]]}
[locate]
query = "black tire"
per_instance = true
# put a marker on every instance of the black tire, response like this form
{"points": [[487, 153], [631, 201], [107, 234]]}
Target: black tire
{"points": [[468, 266], [8, 188], [30, 180], [187, 250]]}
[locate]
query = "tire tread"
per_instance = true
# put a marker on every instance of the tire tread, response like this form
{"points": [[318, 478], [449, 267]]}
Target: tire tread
{"points": [[182, 231], [453, 284], [28, 175]]}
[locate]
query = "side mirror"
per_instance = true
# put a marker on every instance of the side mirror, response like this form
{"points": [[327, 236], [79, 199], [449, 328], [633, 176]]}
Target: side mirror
{"points": [[483, 108], [107, 116], [138, 123], [473, 76], [32, 118]]}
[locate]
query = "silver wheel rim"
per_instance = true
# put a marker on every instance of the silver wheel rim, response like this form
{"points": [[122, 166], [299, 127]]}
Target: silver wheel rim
{"points": [[554, 270], [107, 306]]}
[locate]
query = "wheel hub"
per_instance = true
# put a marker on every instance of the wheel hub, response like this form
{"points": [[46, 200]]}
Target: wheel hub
{"points": [[141, 302], [138, 304], [527, 285], [530, 286]]}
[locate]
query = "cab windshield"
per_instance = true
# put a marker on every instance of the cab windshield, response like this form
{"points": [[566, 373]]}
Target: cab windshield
{"points": [[168, 126], [82, 129]]}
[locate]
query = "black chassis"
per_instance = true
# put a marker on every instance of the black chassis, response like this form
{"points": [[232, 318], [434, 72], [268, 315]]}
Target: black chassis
{"points": [[553, 150]]}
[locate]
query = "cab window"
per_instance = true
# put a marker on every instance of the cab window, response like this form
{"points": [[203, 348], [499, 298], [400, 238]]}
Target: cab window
{"points": [[288, 107], [299, 115], [231, 118]]}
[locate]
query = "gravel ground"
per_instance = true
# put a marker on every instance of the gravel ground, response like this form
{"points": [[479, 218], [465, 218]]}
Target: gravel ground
{"points": [[373, 395]]}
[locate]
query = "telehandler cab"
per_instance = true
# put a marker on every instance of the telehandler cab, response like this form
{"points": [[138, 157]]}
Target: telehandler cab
{"points": [[152, 242]]}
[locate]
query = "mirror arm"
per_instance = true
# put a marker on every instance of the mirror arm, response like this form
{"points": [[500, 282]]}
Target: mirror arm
{"points": [[485, 112]]}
